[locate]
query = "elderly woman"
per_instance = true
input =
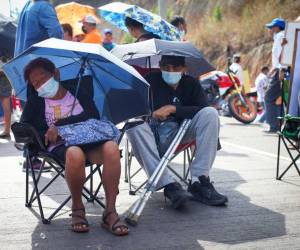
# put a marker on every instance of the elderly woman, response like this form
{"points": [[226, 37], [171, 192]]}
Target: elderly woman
{"points": [[49, 105]]}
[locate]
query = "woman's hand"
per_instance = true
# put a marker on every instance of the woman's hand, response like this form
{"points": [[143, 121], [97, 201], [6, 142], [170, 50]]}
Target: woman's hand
{"points": [[51, 135]]}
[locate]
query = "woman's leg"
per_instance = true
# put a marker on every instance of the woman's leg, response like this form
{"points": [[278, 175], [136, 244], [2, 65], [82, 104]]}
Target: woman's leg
{"points": [[75, 174], [7, 114], [109, 155]]}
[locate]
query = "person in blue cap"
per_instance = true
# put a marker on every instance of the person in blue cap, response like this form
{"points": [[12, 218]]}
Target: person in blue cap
{"points": [[108, 43], [273, 92]]}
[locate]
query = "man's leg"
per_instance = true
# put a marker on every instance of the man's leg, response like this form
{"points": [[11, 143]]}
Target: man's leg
{"points": [[271, 115], [262, 119], [145, 150], [273, 92], [144, 147], [205, 129]]}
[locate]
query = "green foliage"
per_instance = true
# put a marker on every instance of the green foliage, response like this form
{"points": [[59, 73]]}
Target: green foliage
{"points": [[127, 38], [169, 14], [155, 9], [217, 13]]}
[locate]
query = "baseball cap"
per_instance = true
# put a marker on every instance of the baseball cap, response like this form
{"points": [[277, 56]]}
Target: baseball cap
{"points": [[105, 31], [279, 22], [237, 55], [89, 19], [172, 60]]}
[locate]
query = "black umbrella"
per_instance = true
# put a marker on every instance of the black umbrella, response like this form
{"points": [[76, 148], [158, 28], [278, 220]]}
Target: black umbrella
{"points": [[8, 28], [142, 53]]}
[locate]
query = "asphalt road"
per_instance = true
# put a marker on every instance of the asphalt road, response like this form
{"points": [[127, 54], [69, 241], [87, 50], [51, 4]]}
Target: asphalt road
{"points": [[262, 213]]}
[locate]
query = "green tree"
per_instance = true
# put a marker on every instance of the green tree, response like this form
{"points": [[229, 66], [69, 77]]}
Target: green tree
{"points": [[217, 13]]}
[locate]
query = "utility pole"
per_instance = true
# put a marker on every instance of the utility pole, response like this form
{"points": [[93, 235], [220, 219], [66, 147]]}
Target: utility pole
{"points": [[162, 8]]}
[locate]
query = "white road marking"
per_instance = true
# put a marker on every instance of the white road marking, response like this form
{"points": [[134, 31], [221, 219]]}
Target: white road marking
{"points": [[257, 151]]}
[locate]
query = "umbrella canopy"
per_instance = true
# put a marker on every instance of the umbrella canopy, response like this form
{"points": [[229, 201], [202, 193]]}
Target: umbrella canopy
{"points": [[120, 93], [72, 13], [116, 13], [8, 29], [139, 54]]}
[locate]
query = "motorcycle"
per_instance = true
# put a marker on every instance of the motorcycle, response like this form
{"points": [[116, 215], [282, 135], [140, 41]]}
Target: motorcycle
{"points": [[224, 92]]}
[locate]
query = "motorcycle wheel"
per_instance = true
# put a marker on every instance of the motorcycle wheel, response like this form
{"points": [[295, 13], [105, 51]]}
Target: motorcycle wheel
{"points": [[241, 112]]}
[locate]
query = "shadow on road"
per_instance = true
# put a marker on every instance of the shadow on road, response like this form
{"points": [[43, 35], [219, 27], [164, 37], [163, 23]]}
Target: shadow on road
{"points": [[164, 228]]}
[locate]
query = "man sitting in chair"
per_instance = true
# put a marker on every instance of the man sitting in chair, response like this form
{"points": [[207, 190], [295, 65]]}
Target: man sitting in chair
{"points": [[50, 104], [177, 95]]}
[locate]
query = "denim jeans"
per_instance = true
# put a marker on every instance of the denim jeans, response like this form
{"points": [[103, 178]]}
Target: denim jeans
{"points": [[273, 110], [262, 119]]}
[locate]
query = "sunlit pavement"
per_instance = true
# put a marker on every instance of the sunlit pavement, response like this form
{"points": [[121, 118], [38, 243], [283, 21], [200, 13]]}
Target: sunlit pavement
{"points": [[262, 213]]}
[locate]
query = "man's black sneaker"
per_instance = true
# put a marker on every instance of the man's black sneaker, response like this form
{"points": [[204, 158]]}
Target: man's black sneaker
{"points": [[176, 194], [205, 192]]}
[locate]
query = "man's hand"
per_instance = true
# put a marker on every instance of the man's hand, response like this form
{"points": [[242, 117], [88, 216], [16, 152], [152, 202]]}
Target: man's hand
{"points": [[163, 112], [284, 41], [51, 135]]}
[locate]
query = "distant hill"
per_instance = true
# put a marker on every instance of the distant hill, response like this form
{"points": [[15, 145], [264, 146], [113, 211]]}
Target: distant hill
{"points": [[220, 28]]}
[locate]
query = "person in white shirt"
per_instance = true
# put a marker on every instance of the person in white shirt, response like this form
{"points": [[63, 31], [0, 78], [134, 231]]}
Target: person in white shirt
{"points": [[273, 92], [237, 69], [261, 84]]}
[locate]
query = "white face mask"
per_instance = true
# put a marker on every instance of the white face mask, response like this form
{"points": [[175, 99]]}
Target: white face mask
{"points": [[49, 88], [171, 78]]}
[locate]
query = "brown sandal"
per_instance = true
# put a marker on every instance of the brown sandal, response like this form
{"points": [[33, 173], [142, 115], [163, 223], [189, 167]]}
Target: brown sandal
{"points": [[79, 221], [113, 227]]}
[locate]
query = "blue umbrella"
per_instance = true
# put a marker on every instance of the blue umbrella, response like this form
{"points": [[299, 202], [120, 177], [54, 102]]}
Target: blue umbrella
{"points": [[120, 93], [116, 13]]}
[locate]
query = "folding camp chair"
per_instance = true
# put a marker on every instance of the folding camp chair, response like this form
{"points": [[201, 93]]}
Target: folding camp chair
{"points": [[289, 136], [28, 140], [188, 150]]}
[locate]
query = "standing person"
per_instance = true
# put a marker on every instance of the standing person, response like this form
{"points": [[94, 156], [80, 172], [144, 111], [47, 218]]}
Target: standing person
{"points": [[180, 23], [136, 29], [273, 92], [38, 21], [5, 94], [108, 43], [68, 31], [261, 84], [89, 27], [236, 68]]}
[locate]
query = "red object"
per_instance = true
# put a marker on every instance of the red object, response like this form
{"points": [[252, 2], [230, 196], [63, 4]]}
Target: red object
{"points": [[16, 103], [145, 71], [225, 82], [184, 146]]}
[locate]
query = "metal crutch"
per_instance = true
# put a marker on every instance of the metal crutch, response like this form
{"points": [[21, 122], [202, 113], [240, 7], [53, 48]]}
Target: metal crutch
{"points": [[138, 207]]}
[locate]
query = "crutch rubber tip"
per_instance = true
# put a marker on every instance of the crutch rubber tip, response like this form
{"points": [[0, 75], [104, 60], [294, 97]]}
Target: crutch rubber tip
{"points": [[132, 220]]}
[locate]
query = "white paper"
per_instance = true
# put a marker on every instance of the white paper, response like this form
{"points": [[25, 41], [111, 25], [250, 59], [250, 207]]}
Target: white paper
{"points": [[288, 49]]}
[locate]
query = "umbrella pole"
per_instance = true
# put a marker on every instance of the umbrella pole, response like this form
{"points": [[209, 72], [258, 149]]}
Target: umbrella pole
{"points": [[79, 76], [151, 94]]}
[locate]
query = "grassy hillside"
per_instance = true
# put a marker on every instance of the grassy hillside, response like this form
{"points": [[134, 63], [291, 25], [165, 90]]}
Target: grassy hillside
{"points": [[219, 28]]}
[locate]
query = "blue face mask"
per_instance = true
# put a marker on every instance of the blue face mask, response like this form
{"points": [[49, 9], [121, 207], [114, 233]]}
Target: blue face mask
{"points": [[48, 89], [171, 78]]}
